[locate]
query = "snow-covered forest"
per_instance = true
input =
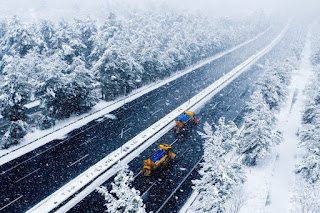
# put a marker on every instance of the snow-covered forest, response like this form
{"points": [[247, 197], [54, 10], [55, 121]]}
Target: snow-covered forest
{"points": [[70, 64]]}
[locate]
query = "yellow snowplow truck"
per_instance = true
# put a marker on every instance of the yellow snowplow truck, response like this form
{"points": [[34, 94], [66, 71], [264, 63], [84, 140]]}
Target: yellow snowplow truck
{"points": [[159, 159], [184, 121]]}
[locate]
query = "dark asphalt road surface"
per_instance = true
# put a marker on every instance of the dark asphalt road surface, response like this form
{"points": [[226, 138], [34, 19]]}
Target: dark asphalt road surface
{"points": [[32, 177]]}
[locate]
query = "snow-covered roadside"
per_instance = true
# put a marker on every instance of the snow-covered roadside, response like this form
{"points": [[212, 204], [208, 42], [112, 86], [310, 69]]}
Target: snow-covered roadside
{"points": [[38, 138], [270, 184]]}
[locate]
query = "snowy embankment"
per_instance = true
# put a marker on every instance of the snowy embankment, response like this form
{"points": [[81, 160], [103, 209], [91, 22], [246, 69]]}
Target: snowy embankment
{"points": [[270, 184], [86, 182], [38, 137]]}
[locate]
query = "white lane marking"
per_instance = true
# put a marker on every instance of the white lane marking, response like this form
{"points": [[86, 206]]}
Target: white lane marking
{"points": [[91, 139], [180, 184], [156, 111], [80, 159], [156, 102], [27, 175], [148, 189], [52, 147], [11, 202], [128, 118], [122, 132], [174, 142], [137, 175]]}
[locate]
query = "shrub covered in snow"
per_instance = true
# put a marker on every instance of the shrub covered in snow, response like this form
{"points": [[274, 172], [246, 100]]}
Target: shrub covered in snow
{"points": [[218, 175], [16, 131], [44, 122], [306, 198], [122, 198], [257, 135], [16, 93]]}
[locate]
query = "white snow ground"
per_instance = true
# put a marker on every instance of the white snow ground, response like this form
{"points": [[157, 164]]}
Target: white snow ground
{"points": [[38, 138], [270, 184]]}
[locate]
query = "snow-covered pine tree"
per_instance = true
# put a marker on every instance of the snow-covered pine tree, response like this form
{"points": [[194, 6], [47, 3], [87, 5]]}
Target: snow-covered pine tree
{"points": [[218, 175], [305, 198], [122, 198], [270, 87], [110, 27], [17, 40], [86, 31], [47, 32], [310, 134], [227, 133], [16, 131], [63, 97], [69, 90], [272, 83], [16, 93], [257, 135]]}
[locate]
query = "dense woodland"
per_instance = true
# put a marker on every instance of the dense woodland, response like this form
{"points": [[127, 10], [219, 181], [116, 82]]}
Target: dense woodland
{"points": [[70, 64]]}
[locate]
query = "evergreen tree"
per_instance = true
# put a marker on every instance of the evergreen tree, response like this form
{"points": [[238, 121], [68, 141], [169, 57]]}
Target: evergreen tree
{"points": [[63, 97], [16, 94], [122, 198], [257, 135], [17, 40], [16, 131], [310, 135], [218, 176], [47, 31], [87, 33], [273, 84]]}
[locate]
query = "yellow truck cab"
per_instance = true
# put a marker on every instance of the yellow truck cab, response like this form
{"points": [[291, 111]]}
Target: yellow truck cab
{"points": [[183, 121], [158, 159]]}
